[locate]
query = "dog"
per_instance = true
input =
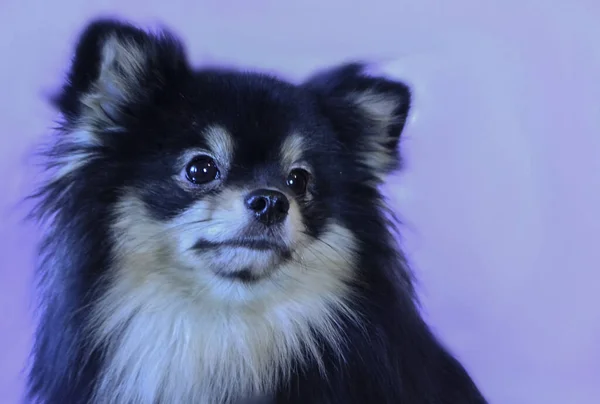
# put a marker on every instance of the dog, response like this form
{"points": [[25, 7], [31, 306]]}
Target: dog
{"points": [[217, 235]]}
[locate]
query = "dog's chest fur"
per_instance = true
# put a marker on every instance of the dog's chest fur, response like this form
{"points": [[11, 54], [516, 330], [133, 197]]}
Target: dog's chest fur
{"points": [[168, 345]]}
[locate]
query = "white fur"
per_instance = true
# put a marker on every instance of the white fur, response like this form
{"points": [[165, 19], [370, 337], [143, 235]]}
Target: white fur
{"points": [[176, 332], [224, 217], [379, 109], [83, 139]]}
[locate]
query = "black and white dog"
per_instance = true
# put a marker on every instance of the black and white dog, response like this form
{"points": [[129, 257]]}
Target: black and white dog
{"points": [[217, 236]]}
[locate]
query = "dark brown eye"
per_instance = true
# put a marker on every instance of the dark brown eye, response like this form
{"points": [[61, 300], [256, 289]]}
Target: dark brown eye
{"points": [[201, 170], [297, 180]]}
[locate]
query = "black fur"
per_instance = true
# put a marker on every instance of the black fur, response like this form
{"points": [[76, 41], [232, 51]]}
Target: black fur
{"points": [[391, 357]]}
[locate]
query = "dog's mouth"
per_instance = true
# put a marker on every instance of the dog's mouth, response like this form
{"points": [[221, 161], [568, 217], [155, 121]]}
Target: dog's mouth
{"points": [[245, 275], [247, 260], [256, 244]]}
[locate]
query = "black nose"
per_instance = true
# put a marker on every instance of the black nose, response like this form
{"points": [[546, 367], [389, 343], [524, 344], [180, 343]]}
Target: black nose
{"points": [[269, 206]]}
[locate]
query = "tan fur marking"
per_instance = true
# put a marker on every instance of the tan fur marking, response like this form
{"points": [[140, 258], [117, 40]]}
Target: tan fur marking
{"points": [[122, 65], [292, 150], [220, 142], [379, 109]]}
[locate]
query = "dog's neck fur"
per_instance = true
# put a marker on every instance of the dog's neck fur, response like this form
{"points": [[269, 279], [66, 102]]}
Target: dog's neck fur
{"points": [[167, 342]]}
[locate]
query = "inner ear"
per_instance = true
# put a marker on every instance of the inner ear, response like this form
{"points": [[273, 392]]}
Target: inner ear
{"points": [[122, 66]]}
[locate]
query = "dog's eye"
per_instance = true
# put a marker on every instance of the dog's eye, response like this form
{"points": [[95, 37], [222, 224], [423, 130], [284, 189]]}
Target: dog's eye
{"points": [[201, 169], [297, 180]]}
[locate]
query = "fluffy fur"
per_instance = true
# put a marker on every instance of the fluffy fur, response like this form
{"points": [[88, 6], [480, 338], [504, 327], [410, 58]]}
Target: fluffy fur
{"points": [[156, 289]]}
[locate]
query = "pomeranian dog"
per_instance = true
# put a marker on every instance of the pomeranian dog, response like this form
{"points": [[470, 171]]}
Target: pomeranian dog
{"points": [[216, 236]]}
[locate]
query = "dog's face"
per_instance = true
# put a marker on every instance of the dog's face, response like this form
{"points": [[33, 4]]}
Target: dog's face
{"points": [[222, 183], [238, 189]]}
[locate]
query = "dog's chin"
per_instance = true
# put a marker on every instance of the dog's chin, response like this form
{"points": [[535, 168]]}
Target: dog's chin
{"points": [[243, 261]]}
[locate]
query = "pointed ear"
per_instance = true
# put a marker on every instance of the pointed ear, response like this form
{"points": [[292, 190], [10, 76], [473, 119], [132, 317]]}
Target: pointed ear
{"points": [[115, 67], [368, 113]]}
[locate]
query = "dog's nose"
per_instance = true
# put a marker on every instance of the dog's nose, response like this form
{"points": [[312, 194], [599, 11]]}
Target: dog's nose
{"points": [[269, 206]]}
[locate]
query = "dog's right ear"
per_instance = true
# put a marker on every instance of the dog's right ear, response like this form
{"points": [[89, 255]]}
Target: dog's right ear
{"points": [[116, 66]]}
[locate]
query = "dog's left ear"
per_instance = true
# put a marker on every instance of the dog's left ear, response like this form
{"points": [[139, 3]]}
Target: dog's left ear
{"points": [[367, 112]]}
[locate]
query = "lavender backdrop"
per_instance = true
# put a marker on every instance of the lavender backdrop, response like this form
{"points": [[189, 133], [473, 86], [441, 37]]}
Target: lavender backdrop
{"points": [[501, 194]]}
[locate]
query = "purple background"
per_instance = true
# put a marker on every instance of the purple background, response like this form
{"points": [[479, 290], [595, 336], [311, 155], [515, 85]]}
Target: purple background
{"points": [[501, 195]]}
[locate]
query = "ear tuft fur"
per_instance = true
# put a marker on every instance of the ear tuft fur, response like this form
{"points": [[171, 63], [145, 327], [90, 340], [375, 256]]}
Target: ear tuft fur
{"points": [[369, 112]]}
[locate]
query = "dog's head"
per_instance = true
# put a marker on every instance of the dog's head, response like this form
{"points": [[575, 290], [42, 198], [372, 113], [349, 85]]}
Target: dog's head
{"points": [[220, 181]]}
